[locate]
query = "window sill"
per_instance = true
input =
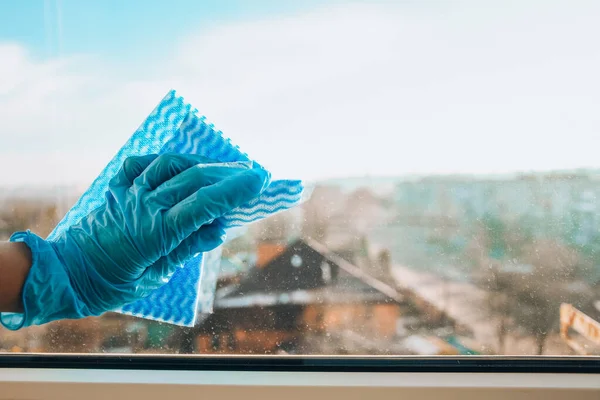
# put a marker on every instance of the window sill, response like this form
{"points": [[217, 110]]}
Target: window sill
{"points": [[38, 383]]}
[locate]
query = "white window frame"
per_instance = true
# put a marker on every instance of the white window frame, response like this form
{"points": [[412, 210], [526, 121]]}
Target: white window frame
{"points": [[540, 379], [165, 385]]}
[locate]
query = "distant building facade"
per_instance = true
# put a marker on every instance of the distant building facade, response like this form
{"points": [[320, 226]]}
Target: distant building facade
{"points": [[553, 204], [298, 293]]}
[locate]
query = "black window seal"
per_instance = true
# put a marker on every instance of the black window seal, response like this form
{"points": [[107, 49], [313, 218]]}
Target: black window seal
{"points": [[441, 364]]}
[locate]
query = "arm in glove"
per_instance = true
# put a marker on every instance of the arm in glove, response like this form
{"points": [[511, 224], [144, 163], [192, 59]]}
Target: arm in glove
{"points": [[159, 212]]}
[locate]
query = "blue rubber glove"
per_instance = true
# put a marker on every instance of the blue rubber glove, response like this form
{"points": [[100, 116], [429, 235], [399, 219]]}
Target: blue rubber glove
{"points": [[159, 212]]}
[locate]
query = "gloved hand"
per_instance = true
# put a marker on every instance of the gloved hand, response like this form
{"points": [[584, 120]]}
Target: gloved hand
{"points": [[159, 212]]}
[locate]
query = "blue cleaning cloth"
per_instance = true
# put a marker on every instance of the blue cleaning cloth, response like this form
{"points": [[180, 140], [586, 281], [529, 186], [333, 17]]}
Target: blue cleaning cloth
{"points": [[175, 127]]}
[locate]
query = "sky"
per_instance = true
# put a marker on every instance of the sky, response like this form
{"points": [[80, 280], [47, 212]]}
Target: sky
{"points": [[311, 89]]}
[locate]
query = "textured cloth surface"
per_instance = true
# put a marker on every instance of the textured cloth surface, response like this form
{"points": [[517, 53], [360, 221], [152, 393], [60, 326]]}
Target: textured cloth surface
{"points": [[175, 127]]}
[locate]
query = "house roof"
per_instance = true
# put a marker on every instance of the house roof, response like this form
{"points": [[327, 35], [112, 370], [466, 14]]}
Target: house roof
{"points": [[306, 272], [355, 272]]}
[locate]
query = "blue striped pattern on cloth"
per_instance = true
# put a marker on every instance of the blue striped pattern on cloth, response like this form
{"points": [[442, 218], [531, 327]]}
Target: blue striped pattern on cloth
{"points": [[174, 127]]}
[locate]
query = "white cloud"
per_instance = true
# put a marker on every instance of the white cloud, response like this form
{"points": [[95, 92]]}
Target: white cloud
{"points": [[344, 91]]}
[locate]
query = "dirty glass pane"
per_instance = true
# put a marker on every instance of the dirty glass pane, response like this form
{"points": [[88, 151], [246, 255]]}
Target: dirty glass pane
{"points": [[452, 147]]}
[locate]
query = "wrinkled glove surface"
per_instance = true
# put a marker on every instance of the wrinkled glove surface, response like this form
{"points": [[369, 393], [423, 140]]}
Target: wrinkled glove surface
{"points": [[159, 212]]}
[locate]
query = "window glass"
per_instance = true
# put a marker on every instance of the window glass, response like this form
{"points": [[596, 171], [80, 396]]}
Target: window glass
{"points": [[452, 147]]}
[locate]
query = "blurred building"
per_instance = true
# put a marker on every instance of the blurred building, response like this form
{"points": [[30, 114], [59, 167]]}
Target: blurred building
{"points": [[553, 203], [558, 206], [302, 298]]}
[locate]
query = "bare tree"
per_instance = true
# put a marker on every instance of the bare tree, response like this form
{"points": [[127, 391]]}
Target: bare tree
{"points": [[384, 263], [537, 295], [315, 224], [487, 242], [498, 244], [21, 214], [498, 302], [526, 279], [274, 228], [319, 212]]}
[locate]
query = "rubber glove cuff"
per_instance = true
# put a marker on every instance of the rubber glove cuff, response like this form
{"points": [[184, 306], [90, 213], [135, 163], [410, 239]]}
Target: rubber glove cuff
{"points": [[47, 292]]}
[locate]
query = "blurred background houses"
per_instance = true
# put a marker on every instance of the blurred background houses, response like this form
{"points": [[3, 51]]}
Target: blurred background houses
{"points": [[432, 265]]}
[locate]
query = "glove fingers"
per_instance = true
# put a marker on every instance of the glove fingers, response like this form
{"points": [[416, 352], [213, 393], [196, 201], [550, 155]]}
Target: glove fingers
{"points": [[211, 202], [205, 239], [193, 179], [165, 167], [131, 169]]}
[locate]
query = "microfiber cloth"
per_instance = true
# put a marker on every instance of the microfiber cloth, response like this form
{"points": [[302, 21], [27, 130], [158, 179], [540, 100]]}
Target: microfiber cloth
{"points": [[175, 127]]}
